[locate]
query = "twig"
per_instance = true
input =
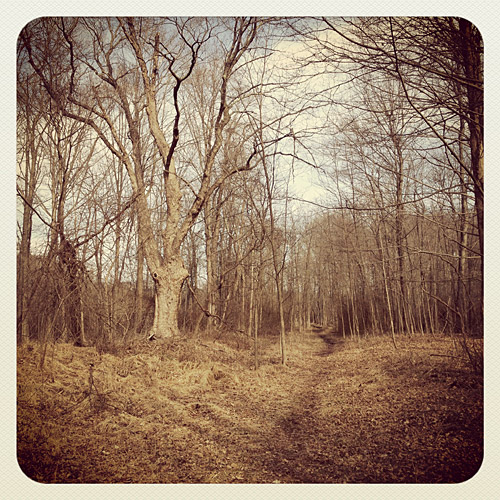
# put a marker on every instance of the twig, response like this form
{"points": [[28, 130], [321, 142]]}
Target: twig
{"points": [[207, 313], [447, 356], [87, 393]]}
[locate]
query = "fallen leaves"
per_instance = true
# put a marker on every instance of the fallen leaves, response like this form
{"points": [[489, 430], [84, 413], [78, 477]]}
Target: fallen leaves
{"points": [[192, 412]]}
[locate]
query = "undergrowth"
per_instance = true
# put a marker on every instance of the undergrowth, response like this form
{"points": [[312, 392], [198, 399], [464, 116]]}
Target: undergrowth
{"points": [[195, 410]]}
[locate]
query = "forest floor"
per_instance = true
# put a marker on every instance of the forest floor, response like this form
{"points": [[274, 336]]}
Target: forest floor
{"points": [[196, 411]]}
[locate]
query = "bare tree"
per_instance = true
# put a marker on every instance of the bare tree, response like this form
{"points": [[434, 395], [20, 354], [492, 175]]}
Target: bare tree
{"points": [[30, 128], [161, 57]]}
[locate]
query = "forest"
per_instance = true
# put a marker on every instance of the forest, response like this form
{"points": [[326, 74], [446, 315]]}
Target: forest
{"points": [[239, 204]]}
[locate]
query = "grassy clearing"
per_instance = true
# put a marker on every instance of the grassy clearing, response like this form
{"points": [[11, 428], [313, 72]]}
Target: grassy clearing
{"points": [[195, 411]]}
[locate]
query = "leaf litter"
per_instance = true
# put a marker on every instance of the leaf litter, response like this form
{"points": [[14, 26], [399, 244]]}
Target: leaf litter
{"points": [[196, 411]]}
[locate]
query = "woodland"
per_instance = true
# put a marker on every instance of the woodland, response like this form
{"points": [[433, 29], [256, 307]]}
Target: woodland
{"points": [[250, 223]]}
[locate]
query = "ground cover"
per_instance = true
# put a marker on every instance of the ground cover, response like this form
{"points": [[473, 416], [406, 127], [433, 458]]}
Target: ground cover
{"points": [[196, 411]]}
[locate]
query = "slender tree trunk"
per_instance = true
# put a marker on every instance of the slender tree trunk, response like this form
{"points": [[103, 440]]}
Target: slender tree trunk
{"points": [[83, 337], [462, 238], [212, 228], [252, 315], [139, 289], [386, 289], [24, 253], [282, 324], [399, 243], [241, 315]]}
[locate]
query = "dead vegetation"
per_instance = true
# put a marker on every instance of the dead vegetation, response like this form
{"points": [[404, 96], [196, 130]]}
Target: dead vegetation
{"points": [[195, 411]]}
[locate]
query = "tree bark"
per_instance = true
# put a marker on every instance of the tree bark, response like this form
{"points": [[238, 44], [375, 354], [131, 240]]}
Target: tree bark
{"points": [[24, 253], [168, 284], [139, 289]]}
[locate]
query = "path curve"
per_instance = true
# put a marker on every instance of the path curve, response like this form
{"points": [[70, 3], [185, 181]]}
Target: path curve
{"points": [[291, 445]]}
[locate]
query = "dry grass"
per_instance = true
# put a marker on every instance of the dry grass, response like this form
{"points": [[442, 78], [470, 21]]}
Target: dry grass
{"points": [[195, 411]]}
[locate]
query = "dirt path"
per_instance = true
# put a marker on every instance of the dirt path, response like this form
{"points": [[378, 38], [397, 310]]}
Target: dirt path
{"points": [[281, 437], [300, 450], [351, 415]]}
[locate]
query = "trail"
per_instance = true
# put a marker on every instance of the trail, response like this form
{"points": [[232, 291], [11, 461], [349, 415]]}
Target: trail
{"points": [[301, 448], [290, 438]]}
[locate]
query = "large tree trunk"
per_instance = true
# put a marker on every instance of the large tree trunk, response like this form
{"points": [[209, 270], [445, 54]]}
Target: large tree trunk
{"points": [[471, 54], [168, 284]]}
